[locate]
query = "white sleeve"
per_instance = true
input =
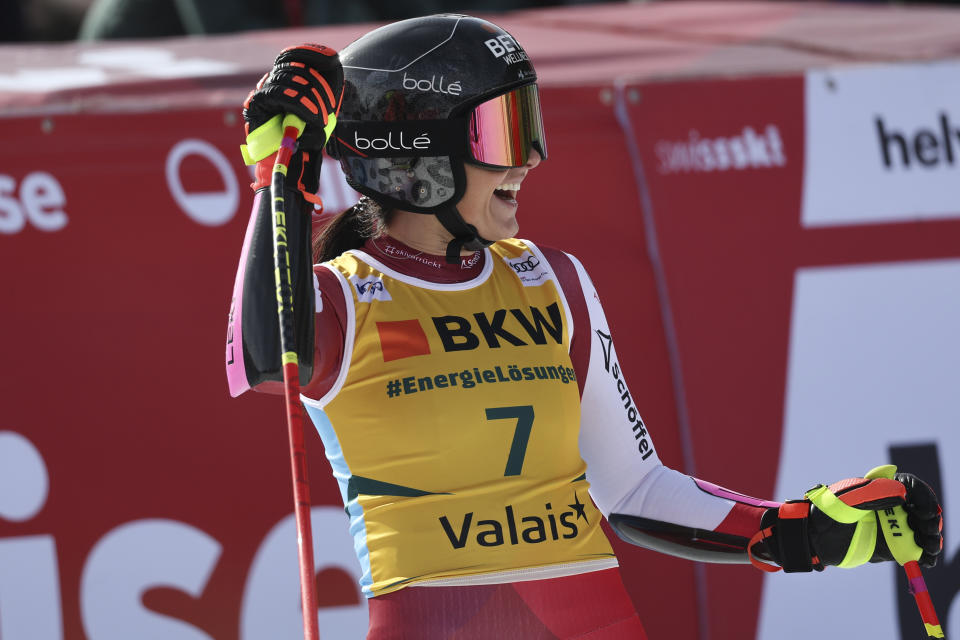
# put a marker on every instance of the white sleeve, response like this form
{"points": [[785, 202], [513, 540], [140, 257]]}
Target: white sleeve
{"points": [[623, 468]]}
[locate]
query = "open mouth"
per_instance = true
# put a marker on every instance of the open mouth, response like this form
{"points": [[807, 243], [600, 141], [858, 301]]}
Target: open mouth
{"points": [[507, 191]]}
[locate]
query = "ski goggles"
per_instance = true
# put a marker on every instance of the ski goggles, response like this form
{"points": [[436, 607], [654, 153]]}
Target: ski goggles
{"points": [[503, 129], [499, 134]]}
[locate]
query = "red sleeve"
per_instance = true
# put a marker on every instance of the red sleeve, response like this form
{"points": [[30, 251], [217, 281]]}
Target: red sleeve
{"points": [[743, 520], [328, 343], [331, 321], [570, 285]]}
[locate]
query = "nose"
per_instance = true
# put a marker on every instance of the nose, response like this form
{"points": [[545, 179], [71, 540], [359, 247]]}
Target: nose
{"points": [[533, 160]]}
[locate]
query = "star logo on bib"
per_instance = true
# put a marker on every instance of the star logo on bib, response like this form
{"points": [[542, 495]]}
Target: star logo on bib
{"points": [[579, 508]]}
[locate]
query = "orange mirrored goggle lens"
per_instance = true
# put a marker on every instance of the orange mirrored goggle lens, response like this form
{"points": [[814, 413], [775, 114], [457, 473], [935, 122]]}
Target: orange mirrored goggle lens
{"points": [[503, 129]]}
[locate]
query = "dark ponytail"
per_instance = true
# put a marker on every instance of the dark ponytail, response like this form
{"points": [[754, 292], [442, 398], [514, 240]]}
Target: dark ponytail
{"points": [[349, 230]]}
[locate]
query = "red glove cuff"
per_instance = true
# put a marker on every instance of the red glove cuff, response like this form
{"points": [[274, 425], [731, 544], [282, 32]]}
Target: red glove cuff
{"points": [[263, 175]]}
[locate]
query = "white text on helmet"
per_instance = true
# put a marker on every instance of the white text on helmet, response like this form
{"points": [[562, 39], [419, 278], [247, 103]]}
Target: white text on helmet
{"points": [[452, 89], [502, 45], [380, 144]]}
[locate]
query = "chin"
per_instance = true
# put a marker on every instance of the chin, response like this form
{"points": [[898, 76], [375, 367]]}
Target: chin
{"points": [[507, 228], [502, 232]]}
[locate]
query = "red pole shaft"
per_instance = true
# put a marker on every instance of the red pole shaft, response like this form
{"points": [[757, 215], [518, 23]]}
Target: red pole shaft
{"points": [[918, 587], [301, 499], [291, 384]]}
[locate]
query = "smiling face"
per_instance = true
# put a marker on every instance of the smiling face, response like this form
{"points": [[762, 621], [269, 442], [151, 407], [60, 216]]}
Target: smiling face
{"points": [[489, 203], [490, 200]]}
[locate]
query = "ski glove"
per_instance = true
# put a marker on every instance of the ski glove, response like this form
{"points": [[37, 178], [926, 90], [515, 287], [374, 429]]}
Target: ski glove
{"points": [[307, 81], [852, 522]]}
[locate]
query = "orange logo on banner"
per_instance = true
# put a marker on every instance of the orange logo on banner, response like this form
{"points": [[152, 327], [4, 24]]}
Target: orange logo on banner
{"points": [[402, 339]]}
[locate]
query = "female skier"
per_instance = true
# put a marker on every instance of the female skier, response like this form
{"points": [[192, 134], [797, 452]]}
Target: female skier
{"points": [[464, 382]]}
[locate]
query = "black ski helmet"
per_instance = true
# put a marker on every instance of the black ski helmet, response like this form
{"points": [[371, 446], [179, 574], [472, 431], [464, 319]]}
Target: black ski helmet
{"points": [[401, 134]]}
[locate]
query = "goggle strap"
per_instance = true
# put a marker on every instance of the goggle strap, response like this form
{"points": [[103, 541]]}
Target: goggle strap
{"points": [[465, 235], [407, 138]]}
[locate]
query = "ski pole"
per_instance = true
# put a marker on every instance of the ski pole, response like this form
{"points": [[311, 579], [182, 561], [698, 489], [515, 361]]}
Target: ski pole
{"points": [[292, 127], [918, 587], [905, 552]]}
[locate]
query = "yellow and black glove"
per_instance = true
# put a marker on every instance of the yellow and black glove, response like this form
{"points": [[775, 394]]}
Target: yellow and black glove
{"points": [[838, 525], [306, 81]]}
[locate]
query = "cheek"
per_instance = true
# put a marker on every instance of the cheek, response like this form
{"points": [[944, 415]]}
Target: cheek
{"points": [[481, 184], [477, 201], [472, 207]]}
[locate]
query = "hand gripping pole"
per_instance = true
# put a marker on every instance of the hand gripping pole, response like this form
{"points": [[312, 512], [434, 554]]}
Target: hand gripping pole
{"points": [[906, 553]]}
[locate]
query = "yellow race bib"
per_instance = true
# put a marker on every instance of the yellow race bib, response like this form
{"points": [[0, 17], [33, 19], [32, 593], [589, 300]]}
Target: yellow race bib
{"points": [[453, 426]]}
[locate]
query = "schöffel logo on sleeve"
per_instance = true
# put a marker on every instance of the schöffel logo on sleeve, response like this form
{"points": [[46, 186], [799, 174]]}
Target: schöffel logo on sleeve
{"points": [[370, 289], [610, 364], [529, 269]]}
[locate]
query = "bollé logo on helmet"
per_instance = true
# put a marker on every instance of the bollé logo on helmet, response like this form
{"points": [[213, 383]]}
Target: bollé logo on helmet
{"points": [[421, 142], [507, 48], [530, 529], [432, 84]]}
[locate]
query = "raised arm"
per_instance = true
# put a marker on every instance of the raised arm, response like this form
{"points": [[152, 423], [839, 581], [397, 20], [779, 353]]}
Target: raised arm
{"points": [[305, 80]]}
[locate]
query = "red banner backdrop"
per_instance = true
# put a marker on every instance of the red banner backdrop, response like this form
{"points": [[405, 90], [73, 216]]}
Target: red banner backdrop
{"points": [[722, 169]]}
